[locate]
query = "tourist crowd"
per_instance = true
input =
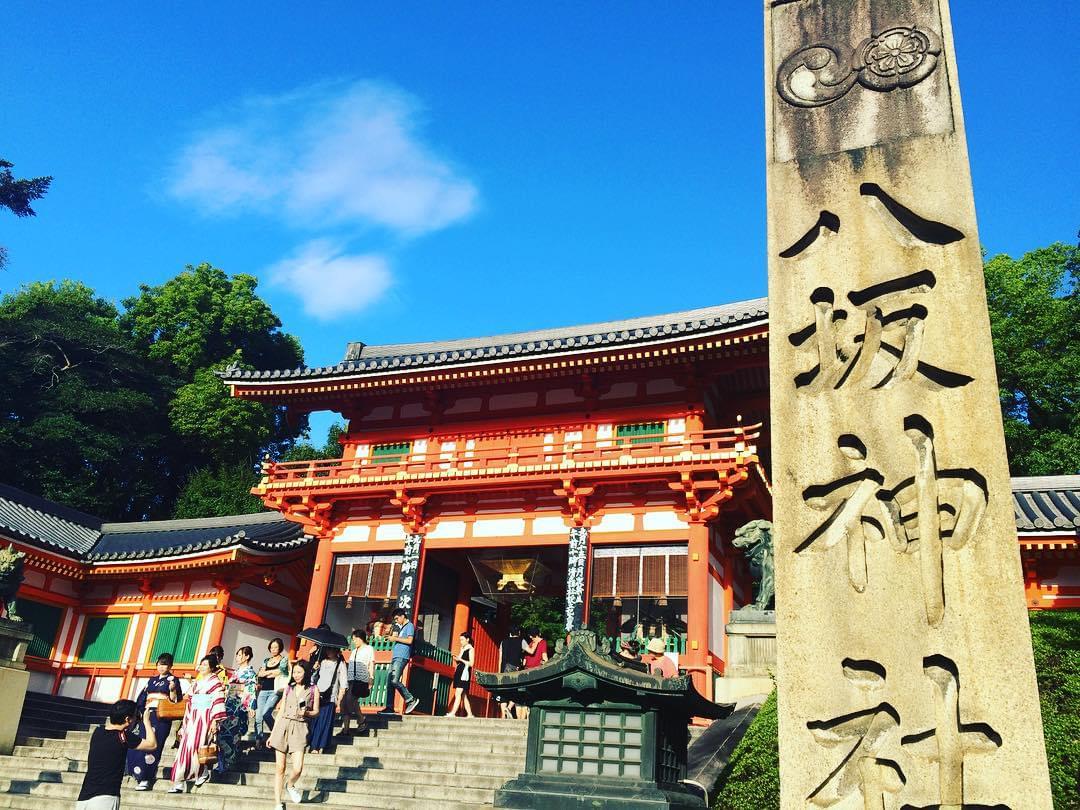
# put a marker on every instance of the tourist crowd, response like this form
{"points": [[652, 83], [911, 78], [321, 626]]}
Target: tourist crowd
{"points": [[287, 706]]}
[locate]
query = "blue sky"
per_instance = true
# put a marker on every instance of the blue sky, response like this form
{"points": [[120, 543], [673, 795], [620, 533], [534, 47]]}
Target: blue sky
{"points": [[414, 171]]}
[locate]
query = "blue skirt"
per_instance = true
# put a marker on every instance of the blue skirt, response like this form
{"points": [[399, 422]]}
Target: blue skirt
{"points": [[322, 727]]}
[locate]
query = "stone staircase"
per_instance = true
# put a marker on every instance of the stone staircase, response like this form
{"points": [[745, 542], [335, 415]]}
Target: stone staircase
{"points": [[412, 762]]}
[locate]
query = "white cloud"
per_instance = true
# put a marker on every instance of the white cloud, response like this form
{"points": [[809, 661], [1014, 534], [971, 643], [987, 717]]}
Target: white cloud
{"points": [[335, 159], [341, 155], [330, 282]]}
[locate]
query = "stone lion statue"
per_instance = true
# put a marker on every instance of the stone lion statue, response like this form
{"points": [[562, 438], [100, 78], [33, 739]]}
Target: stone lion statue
{"points": [[755, 538], [11, 577]]}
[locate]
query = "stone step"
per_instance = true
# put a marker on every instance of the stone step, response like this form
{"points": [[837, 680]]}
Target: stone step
{"points": [[72, 772], [478, 745], [435, 773], [446, 759], [20, 796]]}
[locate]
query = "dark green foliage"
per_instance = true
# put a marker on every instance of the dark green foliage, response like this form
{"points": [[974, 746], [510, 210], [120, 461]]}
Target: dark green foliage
{"points": [[112, 412], [82, 414], [16, 196], [751, 780], [305, 451], [545, 612], [219, 491], [201, 321], [1055, 636], [1034, 306]]}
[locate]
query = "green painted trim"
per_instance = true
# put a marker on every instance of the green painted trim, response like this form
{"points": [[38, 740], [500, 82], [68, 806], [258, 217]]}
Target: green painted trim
{"points": [[45, 620], [103, 640]]}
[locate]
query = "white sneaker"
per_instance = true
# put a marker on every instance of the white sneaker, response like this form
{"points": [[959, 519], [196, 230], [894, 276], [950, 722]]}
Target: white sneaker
{"points": [[294, 793], [412, 704], [178, 787], [202, 780], [144, 785]]}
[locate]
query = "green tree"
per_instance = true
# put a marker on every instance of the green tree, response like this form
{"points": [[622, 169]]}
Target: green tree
{"points": [[200, 321], [219, 491], [331, 448], [16, 196], [82, 415], [1034, 306]]}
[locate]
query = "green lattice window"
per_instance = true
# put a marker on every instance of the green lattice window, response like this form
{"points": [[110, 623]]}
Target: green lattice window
{"points": [[46, 622], [178, 635], [392, 453], [590, 743], [103, 641], [641, 432]]}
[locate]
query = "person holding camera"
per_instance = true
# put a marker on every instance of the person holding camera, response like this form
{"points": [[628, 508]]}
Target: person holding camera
{"points": [[289, 738], [109, 747]]}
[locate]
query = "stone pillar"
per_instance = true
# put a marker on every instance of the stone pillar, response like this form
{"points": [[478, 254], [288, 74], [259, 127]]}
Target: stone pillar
{"points": [[14, 679], [905, 672]]}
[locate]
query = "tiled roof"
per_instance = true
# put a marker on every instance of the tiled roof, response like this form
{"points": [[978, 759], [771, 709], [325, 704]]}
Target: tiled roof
{"points": [[55, 527], [46, 523], [364, 359], [1049, 503], [265, 531]]}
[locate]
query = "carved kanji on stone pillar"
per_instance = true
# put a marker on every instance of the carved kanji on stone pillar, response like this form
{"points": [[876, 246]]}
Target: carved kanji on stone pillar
{"points": [[892, 513]]}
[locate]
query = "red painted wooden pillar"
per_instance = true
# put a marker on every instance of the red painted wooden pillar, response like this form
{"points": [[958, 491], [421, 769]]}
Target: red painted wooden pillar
{"points": [[697, 619], [461, 608], [320, 584]]}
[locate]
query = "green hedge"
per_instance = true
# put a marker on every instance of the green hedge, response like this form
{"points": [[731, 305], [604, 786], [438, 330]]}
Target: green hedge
{"points": [[751, 780], [1055, 636]]}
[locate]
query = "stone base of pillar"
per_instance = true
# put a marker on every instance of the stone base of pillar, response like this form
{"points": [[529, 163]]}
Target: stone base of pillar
{"points": [[14, 638], [751, 643]]}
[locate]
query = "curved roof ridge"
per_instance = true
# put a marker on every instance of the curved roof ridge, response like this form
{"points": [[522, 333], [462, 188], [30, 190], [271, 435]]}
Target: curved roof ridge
{"points": [[182, 524], [357, 350]]}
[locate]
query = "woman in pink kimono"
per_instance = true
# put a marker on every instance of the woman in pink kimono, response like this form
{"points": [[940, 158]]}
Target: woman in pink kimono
{"points": [[205, 712]]}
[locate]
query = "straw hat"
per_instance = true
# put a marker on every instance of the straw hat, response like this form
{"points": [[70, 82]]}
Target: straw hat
{"points": [[656, 646]]}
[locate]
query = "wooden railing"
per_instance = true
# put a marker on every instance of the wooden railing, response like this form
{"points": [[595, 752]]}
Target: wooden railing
{"points": [[731, 445]]}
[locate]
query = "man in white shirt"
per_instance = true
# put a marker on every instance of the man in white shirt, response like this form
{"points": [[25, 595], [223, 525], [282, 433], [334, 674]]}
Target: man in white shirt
{"points": [[360, 674]]}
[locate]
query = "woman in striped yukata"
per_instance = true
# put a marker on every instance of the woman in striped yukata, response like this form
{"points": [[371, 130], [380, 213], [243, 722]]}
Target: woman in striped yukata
{"points": [[205, 712]]}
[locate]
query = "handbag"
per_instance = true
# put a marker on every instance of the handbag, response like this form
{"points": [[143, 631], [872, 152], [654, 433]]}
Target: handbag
{"points": [[167, 710], [207, 754]]}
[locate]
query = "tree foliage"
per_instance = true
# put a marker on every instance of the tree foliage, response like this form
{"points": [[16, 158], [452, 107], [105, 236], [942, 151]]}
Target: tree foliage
{"points": [[331, 448], [16, 195], [82, 415], [219, 491], [121, 411], [1034, 306]]}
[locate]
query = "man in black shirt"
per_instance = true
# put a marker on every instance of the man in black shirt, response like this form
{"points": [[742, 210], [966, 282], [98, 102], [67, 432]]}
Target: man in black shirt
{"points": [[510, 661], [105, 764]]}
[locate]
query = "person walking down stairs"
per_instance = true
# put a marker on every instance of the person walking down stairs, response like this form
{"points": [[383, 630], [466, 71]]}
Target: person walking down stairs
{"points": [[402, 637], [463, 677], [205, 712], [289, 738], [331, 683], [164, 686], [109, 747]]}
